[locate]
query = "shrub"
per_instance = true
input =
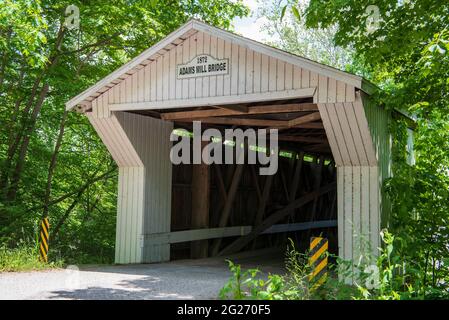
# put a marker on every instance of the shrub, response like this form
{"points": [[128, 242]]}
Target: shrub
{"points": [[23, 258]]}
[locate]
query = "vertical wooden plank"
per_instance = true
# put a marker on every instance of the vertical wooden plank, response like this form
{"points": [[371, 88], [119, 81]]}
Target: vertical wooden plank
{"points": [[133, 216], [140, 84], [185, 58], [332, 90], [99, 107], [234, 69], [350, 93], [356, 213], [305, 78], [296, 77], [159, 78], [193, 51], [227, 78], [265, 74], [288, 76], [249, 71], [122, 90], [127, 92], [124, 214], [210, 89], [139, 231], [341, 91], [257, 61], [314, 78], [322, 88], [147, 83], [179, 60], [374, 210], [172, 74], [341, 211], [220, 55], [116, 91], [200, 50], [134, 86], [200, 206], [242, 71], [348, 212], [280, 85], [364, 204], [106, 101], [165, 75], [272, 74], [118, 233], [153, 77]]}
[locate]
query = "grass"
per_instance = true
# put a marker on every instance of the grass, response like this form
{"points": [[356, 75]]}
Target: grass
{"points": [[24, 258]]}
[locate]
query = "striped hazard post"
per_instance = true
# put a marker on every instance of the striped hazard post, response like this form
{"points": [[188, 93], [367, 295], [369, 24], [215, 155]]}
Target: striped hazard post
{"points": [[318, 261], [43, 239]]}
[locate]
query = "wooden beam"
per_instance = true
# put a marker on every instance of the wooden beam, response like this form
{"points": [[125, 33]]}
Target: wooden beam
{"points": [[301, 121], [304, 119], [200, 206], [240, 121], [228, 204], [215, 101], [214, 233], [302, 139], [275, 217], [235, 108], [283, 108]]}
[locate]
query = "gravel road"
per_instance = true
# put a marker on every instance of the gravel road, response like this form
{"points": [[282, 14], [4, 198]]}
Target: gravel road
{"points": [[182, 279]]}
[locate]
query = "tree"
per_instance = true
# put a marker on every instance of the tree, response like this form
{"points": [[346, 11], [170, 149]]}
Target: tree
{"points": [[404, 45], [289, 33]]}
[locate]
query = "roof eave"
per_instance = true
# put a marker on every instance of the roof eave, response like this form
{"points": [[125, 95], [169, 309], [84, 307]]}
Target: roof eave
{"points": [[129, 65]]}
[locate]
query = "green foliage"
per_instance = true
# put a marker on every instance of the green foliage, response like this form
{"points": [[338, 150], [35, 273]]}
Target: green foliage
{"points": [[24, 258], [386, 277], [294, 285]]}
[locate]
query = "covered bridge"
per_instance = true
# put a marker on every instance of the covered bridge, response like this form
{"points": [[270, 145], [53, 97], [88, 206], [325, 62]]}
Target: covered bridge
{"points": [[335, 149]]}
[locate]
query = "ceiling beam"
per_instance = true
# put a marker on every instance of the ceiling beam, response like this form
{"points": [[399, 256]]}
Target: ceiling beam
{"points": [[240, 121], [283, 108], [304, 119], [235, 108], [303, 139]]}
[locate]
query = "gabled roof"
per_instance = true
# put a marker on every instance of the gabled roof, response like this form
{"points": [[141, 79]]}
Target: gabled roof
{"points": [[190, 28]]}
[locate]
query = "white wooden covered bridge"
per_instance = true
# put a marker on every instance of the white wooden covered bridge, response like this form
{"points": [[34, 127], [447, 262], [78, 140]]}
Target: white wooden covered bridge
{"points": [[322, 112]]}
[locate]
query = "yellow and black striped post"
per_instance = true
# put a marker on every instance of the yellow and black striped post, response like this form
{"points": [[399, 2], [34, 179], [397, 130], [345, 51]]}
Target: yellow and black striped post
{"points": [[43, 239], [318, 261]]}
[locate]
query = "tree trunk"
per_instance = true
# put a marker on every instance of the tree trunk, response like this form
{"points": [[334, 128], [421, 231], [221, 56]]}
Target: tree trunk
{"points": [[52, 166]]}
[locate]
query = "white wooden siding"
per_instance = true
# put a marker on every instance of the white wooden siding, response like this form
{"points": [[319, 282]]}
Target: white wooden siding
{"points": [[249, 72], [151, 139], [358, 180], [378, 119], [141, 148]]}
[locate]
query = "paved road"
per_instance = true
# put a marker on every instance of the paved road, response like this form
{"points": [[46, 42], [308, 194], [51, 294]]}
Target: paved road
{"points": [[187, 279]]}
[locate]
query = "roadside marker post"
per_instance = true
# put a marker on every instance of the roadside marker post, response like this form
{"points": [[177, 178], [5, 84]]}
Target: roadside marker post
{"points": [[43, 239], [318, 261]]}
